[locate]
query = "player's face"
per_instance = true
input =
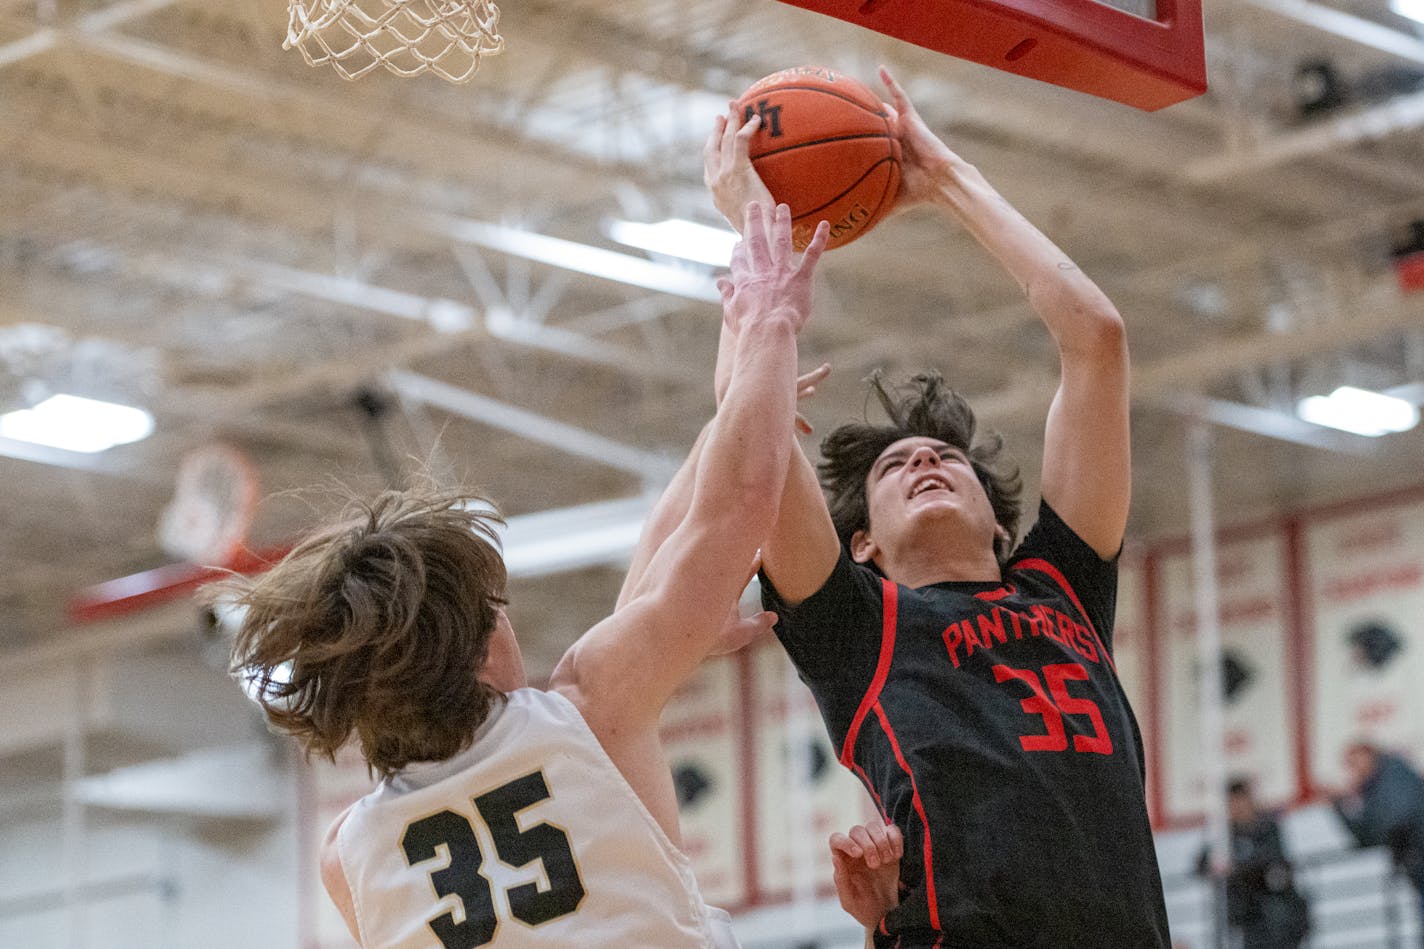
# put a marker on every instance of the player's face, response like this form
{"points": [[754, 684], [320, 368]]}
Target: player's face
{"points": [[504, 667], [921, 479]]}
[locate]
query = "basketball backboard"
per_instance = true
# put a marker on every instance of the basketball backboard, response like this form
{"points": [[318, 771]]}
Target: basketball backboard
{"points": [[1146, 62]]}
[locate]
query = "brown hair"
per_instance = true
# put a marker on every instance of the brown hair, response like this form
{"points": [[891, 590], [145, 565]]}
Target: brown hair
{"points": [[378, 628], [922, 406]]}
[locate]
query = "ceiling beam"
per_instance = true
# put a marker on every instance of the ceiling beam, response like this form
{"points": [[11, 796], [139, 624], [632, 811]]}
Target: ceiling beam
{"points": [[390, 120], [1345, 25], [1270, 423], [1401, 114], [46, 38], [270, 199], [1193, 371], [532, 426]]}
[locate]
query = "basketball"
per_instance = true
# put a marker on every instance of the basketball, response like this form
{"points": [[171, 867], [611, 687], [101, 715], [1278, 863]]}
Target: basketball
{"points": [[825, 148]]}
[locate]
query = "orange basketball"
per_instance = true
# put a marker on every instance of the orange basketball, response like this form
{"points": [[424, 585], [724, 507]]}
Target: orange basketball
{"points": [[826, 148]]}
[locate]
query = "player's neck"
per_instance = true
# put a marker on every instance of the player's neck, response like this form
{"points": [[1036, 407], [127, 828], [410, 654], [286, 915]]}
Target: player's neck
{"points": [[922, 564]]}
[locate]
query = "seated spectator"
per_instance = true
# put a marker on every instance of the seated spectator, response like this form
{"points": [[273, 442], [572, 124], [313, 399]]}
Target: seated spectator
{"points": [[1262, 904], [1384, 807]]}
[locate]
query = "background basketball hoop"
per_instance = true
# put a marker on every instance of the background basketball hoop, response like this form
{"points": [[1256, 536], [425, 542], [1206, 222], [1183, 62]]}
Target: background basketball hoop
{"points": [[408, 37], [212, 507]]}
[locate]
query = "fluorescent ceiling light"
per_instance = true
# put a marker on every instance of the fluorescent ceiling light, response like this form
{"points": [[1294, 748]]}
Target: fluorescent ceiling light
{"points": [[678, 238], [74, 423], [580, 258], [1413, 9], [1359, 411]]}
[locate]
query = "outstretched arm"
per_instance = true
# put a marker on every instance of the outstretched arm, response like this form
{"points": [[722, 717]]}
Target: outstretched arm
{"points": [[676, 498], [802, 547], [622, 672], [1086, 458]]}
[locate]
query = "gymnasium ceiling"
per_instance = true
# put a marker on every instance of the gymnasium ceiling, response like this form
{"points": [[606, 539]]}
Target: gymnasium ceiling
{"points": [[196, 222]]}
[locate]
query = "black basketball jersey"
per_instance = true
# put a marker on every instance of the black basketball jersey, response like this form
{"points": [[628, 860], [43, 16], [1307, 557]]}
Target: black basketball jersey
{"points": [[987, 721]]}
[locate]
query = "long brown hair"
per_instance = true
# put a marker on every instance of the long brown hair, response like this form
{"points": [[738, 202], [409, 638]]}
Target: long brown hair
{"points": [[377, 628], [922, 406]]}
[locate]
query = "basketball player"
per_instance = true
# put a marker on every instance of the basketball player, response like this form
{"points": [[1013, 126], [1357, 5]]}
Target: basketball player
{"points": [[969, 684], [506, 815]]}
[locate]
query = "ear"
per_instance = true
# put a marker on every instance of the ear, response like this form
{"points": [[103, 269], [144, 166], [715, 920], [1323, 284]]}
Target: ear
{"points": [[862, 548]]}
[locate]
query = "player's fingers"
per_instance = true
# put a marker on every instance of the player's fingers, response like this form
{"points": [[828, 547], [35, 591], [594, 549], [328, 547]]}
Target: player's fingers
{"points": [[803, 427], [725, 287], [897, 92], [780, 236], [712, 149], [734, 125], [807, 381], [740, 264], [754, 235], [843, 845], [742, 141], [879, 833], [897, 841], [756, 565], [861, 837], [816, 247]]}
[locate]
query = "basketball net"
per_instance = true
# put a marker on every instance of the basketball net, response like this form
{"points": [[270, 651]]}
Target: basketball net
{"points": [[408, 37]]}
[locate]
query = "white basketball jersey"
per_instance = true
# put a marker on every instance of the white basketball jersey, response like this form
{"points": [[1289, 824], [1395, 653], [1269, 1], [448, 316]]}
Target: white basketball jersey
{"points": [[531, 837]]}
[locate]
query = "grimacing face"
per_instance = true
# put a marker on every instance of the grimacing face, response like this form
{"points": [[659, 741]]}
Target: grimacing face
{"points": [[919, 479]]}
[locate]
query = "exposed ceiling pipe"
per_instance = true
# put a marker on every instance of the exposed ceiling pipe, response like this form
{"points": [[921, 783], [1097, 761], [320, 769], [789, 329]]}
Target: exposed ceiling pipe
{"points": [[538, 428], [1193, 370], [1270, 423], [91, 24], [1400, 114], [1345, 25]]}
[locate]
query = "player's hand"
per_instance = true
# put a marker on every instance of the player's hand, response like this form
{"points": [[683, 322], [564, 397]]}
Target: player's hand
{"points": [[867, 870], [924, 158], [805, 388], [768, 280], [739, 631], [728, 171]]}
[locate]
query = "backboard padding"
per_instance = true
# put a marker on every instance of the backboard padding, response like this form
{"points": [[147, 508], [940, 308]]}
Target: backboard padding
{"points": [[1077, 44]]}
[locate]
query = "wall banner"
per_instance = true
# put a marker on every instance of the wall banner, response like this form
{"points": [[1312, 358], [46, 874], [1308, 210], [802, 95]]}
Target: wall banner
{"points": [[1253, 601], [1365, 585]]}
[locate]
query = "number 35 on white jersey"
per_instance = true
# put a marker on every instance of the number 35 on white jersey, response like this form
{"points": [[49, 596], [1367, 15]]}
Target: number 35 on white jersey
{"points": [[531, 838]]}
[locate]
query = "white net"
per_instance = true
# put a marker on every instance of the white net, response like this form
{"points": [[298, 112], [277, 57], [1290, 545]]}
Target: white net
{"points": [[408, 37]]}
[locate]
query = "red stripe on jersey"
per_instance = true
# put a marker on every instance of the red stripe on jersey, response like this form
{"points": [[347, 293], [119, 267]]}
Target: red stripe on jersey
{"points": [[920, 810], [1056, 575], [865, 780], [999, 594], [889, 598]]}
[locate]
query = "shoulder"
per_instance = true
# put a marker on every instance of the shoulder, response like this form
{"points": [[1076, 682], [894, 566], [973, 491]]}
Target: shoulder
{"points": [[1051, 547], [558, 706], [847, 581], [1051, 533]]}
